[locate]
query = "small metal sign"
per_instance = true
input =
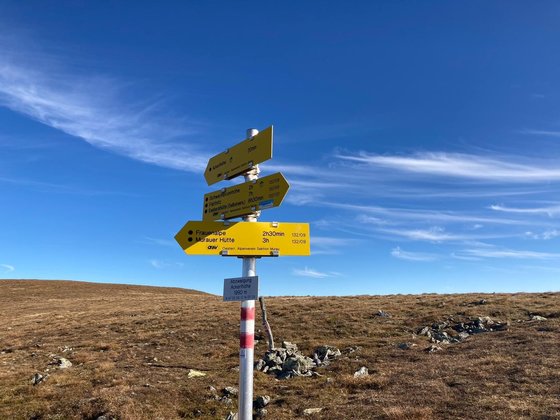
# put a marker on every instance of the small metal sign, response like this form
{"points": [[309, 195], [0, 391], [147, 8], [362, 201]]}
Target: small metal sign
{"points": [[241, 288]]}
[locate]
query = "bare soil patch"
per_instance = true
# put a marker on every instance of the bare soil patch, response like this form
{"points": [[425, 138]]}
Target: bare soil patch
{"points": [[131, 350]]}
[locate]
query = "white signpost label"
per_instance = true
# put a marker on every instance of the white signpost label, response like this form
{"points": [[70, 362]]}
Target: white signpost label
{"points": [[239, 289]]}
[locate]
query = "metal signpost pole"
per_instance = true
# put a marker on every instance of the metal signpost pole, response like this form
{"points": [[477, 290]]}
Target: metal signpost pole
{"points": [[247, 330]]}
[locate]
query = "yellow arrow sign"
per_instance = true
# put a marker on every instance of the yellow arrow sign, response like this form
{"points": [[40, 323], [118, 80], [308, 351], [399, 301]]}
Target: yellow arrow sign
{"points": [[246, 198], [244, 238], [240, 158]]}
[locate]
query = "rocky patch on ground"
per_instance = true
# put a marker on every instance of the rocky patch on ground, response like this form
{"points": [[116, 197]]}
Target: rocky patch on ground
{"points": [[448, 332], [288, 361]]}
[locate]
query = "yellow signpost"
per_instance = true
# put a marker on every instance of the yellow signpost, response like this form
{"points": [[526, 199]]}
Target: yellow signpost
{"points": [[248, 239], [240, 158], [246, 198], [244, 239]]}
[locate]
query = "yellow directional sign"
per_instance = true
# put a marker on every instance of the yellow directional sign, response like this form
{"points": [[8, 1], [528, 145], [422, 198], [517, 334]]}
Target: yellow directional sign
{"points": [[246, 198], [245, 239], [240, 158]]}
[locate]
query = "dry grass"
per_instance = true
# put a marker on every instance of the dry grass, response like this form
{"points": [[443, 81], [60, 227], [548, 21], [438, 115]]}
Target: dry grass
{"points": [[132, 346]]}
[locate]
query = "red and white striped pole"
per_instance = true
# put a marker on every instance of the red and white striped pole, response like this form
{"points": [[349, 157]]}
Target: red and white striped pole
{"points": [[247, 330]]}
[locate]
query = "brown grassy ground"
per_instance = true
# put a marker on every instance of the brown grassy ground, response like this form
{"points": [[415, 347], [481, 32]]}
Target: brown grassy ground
{"points": [[131, 348]]}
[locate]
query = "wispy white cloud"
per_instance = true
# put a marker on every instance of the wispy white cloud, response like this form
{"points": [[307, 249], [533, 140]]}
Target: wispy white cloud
{"points": [[459, 165], [60, 188], [420, 215], [92, 108], [161, 264], [412, 256], [464, 257], [329, 245], [549, 210], [8, 268], [508, 253], [547, 133], [159, 241], [309, 272], [434, 234], [546, 235]]}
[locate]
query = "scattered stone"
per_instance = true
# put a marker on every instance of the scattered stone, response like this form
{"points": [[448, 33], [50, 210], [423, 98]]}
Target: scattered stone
{"points": [[481, 302], [195, 374], [538, 318], [432, 349], [61, 362], [311, 411], [231, 416], [363, 371], [291, 347], [442, 337], [298, 364], [226, 400], [7, 350], [38, 378], [462, 335], [288, 362], [212, 389], [406, 346], [261, 412], [325, 353], [383, 314], [262, 401], [454, 332], [424, 331], [230, 391]]}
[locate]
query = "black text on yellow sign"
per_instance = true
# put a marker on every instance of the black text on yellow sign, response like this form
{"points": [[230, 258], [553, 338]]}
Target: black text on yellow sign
{"points": [[240, 158], [244, 238], [240, 200]]}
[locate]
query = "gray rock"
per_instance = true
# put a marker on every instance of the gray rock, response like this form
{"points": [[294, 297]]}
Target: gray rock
{"points": [[300, 364], [326, 352], [406, 346], [230, 391], [424, 331], [38, 378], [61, 362], [262, 401], [363, 371], [289, 346], [261, 412], [260, 365], [439, 326], [383, 314], [538, 318], [231, 416], [432, 349], [311, 411]]}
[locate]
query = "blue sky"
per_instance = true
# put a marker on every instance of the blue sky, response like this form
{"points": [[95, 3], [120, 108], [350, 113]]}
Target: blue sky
{"points": [[421, 140]]}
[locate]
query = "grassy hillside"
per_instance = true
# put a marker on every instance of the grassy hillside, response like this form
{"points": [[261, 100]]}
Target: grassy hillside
{"points": [[132, 348]]}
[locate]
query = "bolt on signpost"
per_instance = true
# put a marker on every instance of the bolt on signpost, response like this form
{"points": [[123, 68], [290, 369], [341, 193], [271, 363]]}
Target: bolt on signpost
{"points": [[249, 239]]}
